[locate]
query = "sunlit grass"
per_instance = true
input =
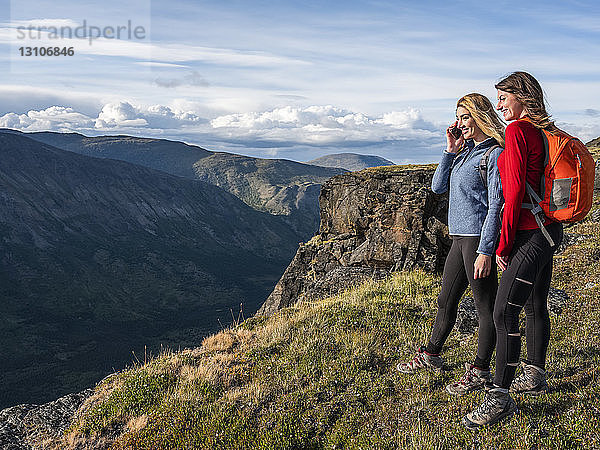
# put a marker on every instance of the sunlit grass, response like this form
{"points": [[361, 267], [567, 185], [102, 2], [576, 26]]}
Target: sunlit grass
{"points": [[322, 375]]}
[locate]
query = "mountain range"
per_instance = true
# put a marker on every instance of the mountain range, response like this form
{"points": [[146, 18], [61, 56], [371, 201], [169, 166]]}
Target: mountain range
{"points": [[112, 246], [100, 257], [277, 186]]}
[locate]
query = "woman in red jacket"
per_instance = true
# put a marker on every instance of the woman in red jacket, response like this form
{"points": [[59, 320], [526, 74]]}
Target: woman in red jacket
{"points": [[524, 253]]}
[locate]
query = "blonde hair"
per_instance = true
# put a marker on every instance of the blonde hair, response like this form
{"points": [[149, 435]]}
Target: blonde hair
{"points": [[483, 113], [530, 94]]}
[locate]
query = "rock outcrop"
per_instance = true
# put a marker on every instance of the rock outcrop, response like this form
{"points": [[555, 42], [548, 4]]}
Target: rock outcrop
{"points": [[594, 148], [373, 222], [25, 427]]}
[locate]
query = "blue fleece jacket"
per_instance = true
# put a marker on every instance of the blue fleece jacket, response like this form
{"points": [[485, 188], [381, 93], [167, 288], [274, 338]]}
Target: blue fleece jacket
{"points": [[473, 210]]}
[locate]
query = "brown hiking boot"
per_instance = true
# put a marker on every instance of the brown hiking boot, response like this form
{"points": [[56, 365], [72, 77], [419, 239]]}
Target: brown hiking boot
{"points": [[532, 381]]}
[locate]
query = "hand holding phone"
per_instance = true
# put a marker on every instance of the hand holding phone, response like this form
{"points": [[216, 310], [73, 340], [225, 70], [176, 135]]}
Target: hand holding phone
{"points": [[456, 132], [454, 138]]}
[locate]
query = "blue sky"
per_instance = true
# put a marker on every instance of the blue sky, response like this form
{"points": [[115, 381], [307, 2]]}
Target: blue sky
{"points": [[295, 80]]}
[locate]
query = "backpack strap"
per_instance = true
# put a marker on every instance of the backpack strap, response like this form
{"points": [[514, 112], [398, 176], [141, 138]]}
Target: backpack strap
{"points": [[537, 212], [483, 164], [535, 205], [546, 161]]}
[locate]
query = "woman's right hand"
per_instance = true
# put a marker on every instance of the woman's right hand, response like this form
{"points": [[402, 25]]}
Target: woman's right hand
{"points": [[453, 144]]}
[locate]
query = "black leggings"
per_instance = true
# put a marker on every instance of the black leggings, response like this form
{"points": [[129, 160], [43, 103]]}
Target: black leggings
{"points": [[458, 274], [524, 284]]}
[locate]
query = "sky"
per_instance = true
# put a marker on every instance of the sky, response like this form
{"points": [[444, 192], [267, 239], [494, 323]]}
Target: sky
{"points": [[290, 79]]}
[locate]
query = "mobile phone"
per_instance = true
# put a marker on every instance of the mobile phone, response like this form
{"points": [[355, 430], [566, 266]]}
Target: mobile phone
{"points": [[456, 132]]}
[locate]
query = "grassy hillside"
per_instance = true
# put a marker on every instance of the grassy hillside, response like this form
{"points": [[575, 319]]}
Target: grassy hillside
{"points": [[322, 375]]}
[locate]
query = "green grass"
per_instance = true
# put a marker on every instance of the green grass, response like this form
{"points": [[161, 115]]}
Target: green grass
{"points": [[322, 375]]}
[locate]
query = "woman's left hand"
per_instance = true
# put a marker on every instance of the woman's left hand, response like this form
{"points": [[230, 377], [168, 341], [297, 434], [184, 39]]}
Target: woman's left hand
{"points": [[482, 266], [502, 262]]}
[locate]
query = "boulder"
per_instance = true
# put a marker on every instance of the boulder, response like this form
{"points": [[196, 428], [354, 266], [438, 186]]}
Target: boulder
{"points": [[23, 427]]}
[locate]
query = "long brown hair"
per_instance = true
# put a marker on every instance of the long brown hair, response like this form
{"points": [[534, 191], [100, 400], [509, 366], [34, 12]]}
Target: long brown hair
{"points": [[483, 113], [530, 94]]}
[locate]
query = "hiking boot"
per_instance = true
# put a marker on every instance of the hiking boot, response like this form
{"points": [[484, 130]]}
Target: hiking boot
{"points": [[532, 381], [422, 360], [474, 379], [496, 406]]}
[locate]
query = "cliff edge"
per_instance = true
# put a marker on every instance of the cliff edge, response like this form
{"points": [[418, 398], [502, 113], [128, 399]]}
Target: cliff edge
{"points": [[373, 222]]}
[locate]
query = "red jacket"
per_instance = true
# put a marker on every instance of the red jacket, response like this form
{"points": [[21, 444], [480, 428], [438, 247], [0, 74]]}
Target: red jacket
{"points": [[522, 160]]}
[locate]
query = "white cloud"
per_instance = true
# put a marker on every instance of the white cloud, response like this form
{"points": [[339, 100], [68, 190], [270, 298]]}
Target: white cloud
{"points": [[289, 132], [55, 118], [320, 125], [159, 116], [152, 52], [410, 118], [159, 64], [585, 132], [286, 132], [113, 116], [313, 125], [123, 115], [120, 114]]}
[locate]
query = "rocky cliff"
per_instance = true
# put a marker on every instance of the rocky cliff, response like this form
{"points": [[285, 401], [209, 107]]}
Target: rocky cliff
{"points": [[595, 150], [373, 222], [28, 426]]}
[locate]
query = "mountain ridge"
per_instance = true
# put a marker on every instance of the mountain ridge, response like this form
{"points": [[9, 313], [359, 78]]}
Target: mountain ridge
{"points": [[278, 186], [92, 248]]}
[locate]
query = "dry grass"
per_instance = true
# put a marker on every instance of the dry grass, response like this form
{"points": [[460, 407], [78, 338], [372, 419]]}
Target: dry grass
{"points": [[136, 424]]}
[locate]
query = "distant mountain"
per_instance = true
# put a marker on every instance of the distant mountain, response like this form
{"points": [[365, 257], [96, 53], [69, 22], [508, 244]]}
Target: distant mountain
{"points": [[277, 186], [350, 161], [102, 257], [172, 157]]}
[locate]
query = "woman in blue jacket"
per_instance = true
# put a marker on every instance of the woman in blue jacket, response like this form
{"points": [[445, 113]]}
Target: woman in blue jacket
{"points": [[473, 223]]}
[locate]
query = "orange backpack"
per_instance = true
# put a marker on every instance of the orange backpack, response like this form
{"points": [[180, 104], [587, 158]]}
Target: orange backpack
{"points": [[567, 185]]}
